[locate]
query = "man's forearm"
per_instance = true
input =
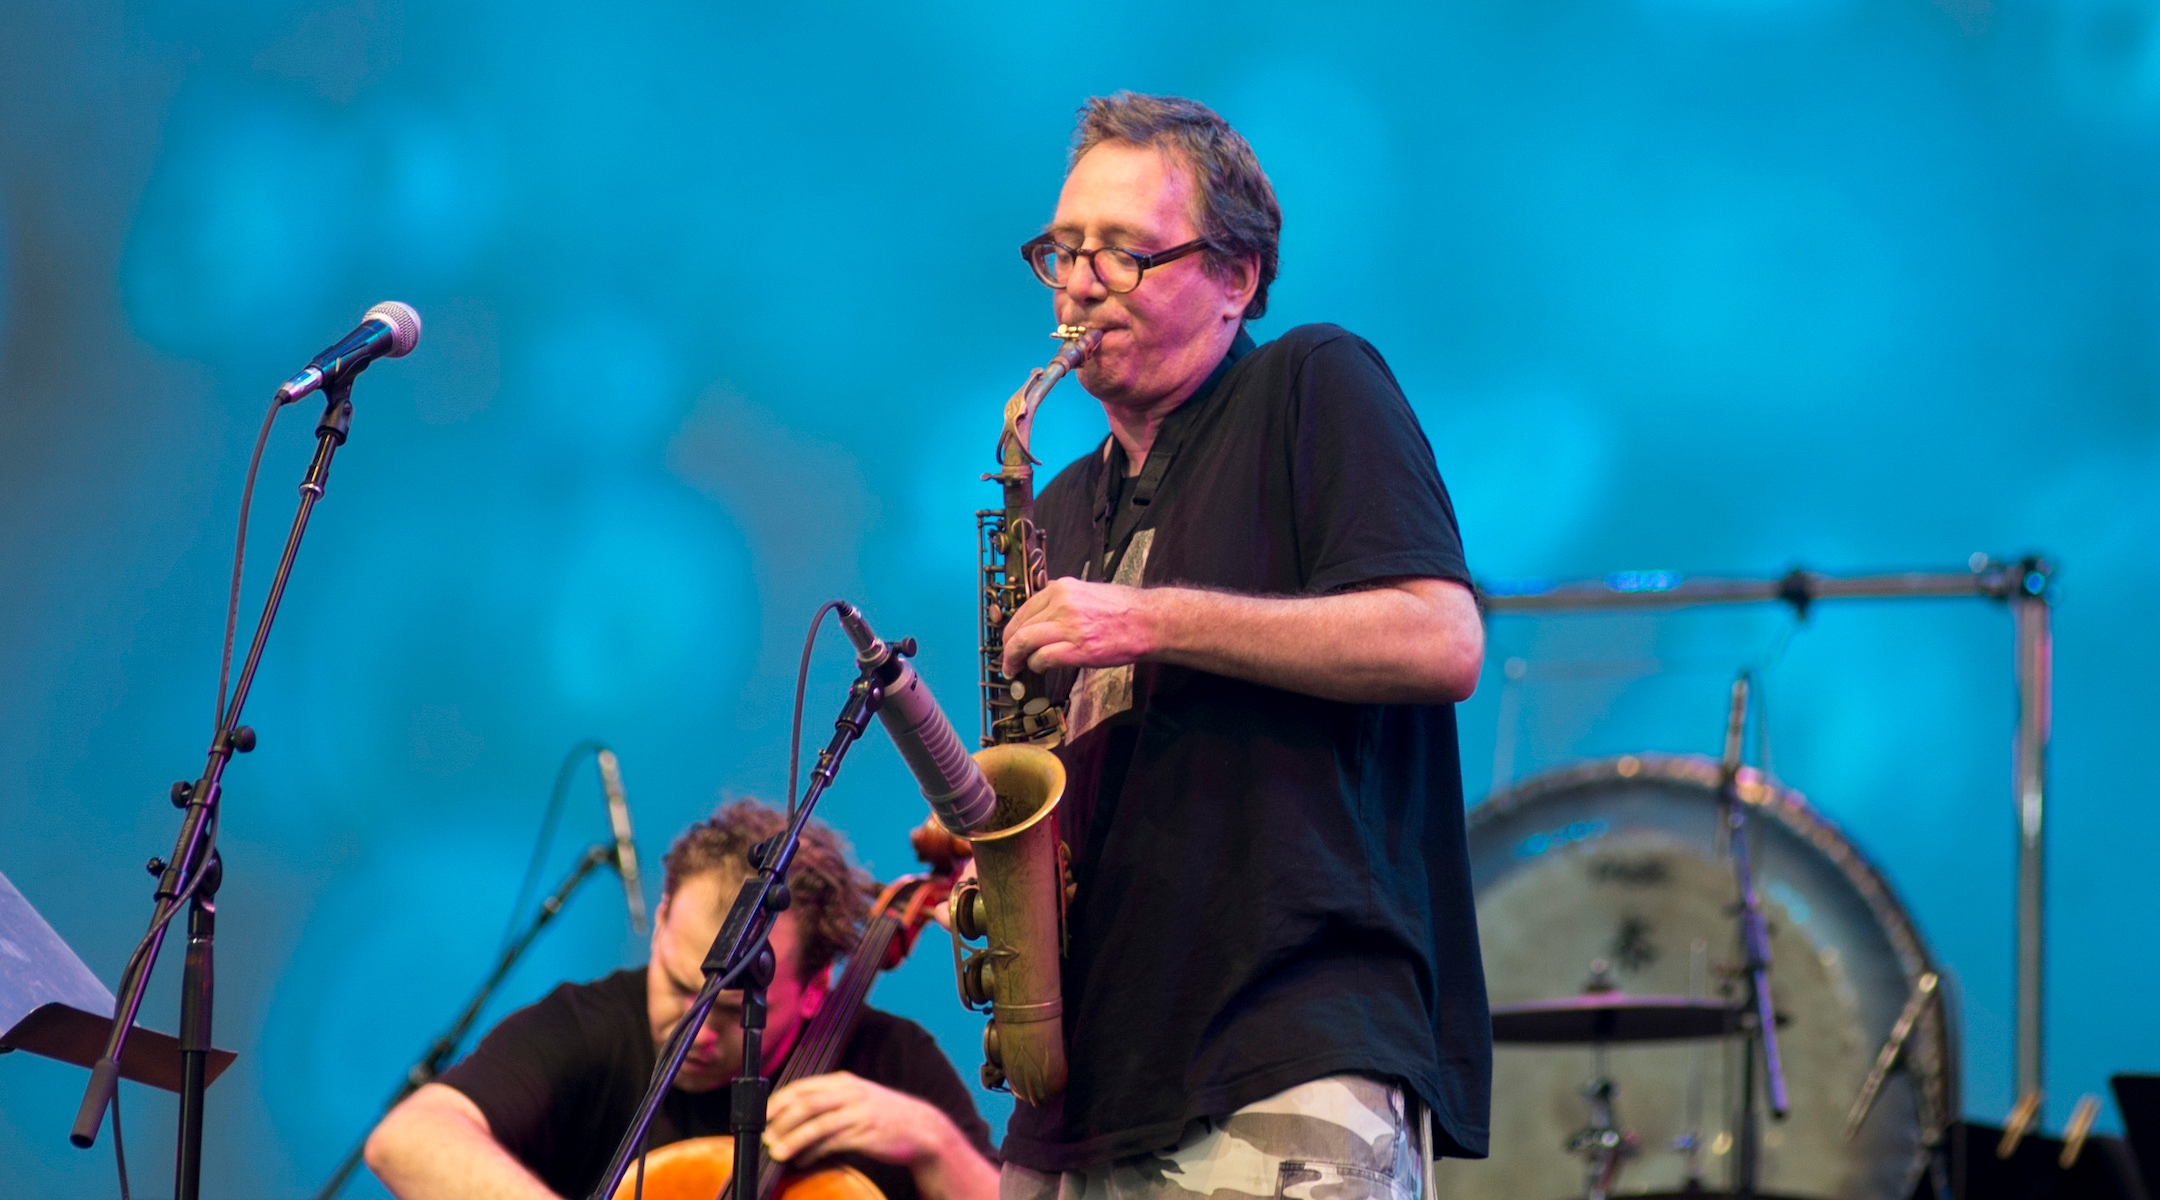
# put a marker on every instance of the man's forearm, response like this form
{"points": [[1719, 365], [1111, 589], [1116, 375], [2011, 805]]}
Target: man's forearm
{"points": [[1414, 643], [843, 1113], [437, 1146], [954, 1170]]}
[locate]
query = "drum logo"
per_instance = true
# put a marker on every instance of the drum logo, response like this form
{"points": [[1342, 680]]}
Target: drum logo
{"points": [[1566, 835]]}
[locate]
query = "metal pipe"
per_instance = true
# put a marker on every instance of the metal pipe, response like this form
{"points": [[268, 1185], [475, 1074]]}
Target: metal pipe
{"points": [[1667, 589], [2035, 682]]}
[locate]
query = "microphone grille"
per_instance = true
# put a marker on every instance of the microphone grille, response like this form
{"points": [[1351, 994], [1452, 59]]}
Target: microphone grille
{"points": [[404, 326]]}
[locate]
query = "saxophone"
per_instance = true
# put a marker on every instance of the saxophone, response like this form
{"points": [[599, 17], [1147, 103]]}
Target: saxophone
{"points": [[1017, 900]]}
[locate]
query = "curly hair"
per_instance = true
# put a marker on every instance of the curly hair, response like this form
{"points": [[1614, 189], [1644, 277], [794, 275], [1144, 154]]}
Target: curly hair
{"points": [[1238, 214], [831, 894]]}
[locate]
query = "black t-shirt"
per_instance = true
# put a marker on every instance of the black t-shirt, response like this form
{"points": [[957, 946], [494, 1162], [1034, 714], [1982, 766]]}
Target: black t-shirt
{"points": [[1271, 887], [560, 1080]]}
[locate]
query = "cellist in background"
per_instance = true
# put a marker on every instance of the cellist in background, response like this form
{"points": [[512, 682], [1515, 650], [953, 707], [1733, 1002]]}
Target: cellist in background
{"points": [[537, 1108]]}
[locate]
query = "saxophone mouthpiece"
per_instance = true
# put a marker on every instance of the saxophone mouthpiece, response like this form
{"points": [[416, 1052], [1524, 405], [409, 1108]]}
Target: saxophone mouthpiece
{"points": [[1079, 342]]}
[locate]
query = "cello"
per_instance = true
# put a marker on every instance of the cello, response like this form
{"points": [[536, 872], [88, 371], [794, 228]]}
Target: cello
{"points": [[702, 1168]]}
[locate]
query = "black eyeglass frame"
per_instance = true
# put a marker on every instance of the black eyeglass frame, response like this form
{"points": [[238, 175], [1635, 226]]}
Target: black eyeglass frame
{"points": [[1142, 263]]}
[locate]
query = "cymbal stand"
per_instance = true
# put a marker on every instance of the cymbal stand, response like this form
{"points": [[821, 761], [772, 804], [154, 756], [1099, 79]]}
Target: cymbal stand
{"points": [[1603, 1144], [1755, 948], [1690, 1144]]}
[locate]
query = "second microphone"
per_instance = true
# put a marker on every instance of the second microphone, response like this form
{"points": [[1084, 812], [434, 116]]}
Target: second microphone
{"points": [[952, 783]]}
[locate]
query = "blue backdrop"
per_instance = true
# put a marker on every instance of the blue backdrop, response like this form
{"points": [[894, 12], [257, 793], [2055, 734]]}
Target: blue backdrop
{"points": [[722, 303]]}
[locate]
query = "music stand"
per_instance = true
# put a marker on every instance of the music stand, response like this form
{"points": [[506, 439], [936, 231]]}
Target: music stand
{"points": [[52, 1006]]}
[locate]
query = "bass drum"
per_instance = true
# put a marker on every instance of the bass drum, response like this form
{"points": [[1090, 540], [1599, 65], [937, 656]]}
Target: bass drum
{"points": [[1619, 863]]}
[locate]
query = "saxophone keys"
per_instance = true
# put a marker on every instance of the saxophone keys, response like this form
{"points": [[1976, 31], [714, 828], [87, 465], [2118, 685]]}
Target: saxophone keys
{"points": [[993, 1075], [967, 913], [978, 978]]}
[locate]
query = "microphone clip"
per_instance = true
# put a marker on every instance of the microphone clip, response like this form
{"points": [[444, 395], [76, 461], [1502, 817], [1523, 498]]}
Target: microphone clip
{"points": [[882, 666], [893, 652]]}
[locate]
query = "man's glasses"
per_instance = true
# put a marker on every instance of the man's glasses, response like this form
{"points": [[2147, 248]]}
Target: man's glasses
{"points": [[1118, 269]]}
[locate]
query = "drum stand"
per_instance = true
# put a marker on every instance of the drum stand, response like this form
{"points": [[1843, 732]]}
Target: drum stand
{"points": [[1755, 947]]}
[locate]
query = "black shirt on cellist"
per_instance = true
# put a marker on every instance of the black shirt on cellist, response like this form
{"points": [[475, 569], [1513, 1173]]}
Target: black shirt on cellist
{"points": [[1272, 887], [560, 1080]]}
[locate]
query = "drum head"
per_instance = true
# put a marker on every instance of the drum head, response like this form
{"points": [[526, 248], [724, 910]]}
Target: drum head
{"points": [[1621, 862]]}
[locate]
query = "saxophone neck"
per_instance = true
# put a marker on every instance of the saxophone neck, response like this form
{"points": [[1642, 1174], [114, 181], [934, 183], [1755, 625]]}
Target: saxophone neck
{"points": [[1014, 457]]}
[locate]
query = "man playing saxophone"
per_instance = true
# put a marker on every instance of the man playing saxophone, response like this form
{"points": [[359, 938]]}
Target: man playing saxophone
{"points": [[1259, 620]]}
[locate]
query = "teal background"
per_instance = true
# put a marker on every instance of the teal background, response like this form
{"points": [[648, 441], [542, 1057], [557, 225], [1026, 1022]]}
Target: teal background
{"points": [[721, 305]]}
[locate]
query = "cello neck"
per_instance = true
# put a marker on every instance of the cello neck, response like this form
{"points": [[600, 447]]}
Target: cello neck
{"points": [[827, 1036]]}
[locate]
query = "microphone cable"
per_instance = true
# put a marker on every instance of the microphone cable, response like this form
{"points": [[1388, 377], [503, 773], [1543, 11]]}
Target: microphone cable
{"points": [[546, 838], [232, 621], [119, 1148], [802, 684], [232, 603], [194, 882]]}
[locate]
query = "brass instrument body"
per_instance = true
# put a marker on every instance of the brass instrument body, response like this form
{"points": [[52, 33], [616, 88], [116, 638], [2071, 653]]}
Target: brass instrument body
{"points": [[1017, 900]]}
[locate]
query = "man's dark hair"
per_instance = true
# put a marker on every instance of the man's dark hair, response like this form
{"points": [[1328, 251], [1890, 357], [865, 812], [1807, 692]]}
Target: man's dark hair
{"points": [[1238, 214], [832, 895]]}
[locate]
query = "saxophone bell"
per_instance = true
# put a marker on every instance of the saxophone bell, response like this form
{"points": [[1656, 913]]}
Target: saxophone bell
{"points": [[1016, 902]]}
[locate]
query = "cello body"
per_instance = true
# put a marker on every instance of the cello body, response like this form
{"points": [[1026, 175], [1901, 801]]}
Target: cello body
{"points": [[700, 1169]]}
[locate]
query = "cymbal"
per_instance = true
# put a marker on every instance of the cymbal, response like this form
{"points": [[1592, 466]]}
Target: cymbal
{"points": [[1613, 1017]]}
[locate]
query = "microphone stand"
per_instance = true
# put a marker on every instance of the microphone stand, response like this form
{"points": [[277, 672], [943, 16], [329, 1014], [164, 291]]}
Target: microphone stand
{"points": [[740, 957], [438, 1055], [192, 874], [1755, 948]]}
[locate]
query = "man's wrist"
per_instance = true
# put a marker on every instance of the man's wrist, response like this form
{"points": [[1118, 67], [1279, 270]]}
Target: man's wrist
{"points": [[1158, 614], [951, 1168], [937, 1139]]}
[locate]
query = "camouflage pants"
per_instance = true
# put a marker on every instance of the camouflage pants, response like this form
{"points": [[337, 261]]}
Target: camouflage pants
{"points": [[1340, 1138]]}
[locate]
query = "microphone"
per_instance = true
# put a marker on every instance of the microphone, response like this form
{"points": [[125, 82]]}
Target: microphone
{"points": [[952, 783], [388, 330], [618, 811], [1735, 729]]}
